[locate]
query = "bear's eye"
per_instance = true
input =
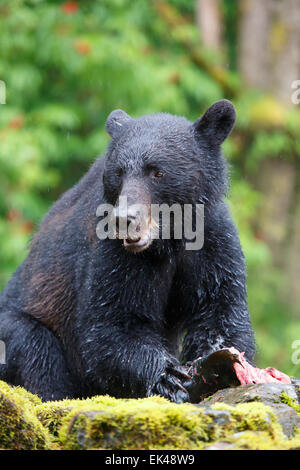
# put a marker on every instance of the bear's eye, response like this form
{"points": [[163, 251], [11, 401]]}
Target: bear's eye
{"points": [[158, 174], [119, 173]]}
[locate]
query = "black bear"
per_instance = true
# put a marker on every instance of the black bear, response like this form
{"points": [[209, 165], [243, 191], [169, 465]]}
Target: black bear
{"points": [[85, 315]]}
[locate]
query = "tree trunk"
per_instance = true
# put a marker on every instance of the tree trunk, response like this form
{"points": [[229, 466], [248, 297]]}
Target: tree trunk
{"points": [[276, 180], [269, 55], [269, 59], [285, 48], [293, 256], [210, 23], [255, 25]]}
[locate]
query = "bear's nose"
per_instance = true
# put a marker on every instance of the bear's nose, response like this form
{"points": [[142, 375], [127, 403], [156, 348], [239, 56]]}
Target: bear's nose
{"points": [[127, 225], [123, 222]]}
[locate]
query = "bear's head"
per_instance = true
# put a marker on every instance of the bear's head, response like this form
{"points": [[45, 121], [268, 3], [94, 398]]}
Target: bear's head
{"points": [[164, 159]]}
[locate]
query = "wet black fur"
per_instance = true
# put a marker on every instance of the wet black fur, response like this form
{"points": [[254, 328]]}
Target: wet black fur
{"points": [[83, 316]]}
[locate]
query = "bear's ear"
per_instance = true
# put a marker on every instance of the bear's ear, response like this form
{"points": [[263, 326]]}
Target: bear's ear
{"points": [[217, 122], [116, 121]]}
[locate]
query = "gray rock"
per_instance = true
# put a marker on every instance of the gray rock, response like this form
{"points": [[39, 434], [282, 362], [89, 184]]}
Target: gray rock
{"points": [[270, 394]]}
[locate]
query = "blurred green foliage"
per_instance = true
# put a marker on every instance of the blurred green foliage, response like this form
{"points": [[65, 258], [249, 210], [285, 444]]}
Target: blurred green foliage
{"points": [[66, 65]]}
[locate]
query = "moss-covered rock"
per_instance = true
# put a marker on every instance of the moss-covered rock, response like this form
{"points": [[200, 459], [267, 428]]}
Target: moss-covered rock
{"points": [[104, 422], [150, 423], [281, 398], [155, 423], [19, 425], [255, 440], [51, 413]]}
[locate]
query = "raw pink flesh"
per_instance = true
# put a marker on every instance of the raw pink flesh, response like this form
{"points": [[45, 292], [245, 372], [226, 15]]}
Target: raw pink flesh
{"points": [[248, 374]]}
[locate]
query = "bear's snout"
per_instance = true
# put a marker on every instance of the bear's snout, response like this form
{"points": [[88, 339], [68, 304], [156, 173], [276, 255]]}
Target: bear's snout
{"points": [[133, 217]]}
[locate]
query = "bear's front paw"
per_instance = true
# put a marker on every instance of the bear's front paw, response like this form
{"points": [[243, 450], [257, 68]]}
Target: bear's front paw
{"points": [[170, 385]]}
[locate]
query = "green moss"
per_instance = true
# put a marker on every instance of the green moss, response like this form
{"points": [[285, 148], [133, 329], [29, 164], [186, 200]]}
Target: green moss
{"points": [[285, 398], [19, 427], [253, 416], [51, 413], [103, 422], [261, 440], [256, 428], [152, 424]]}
